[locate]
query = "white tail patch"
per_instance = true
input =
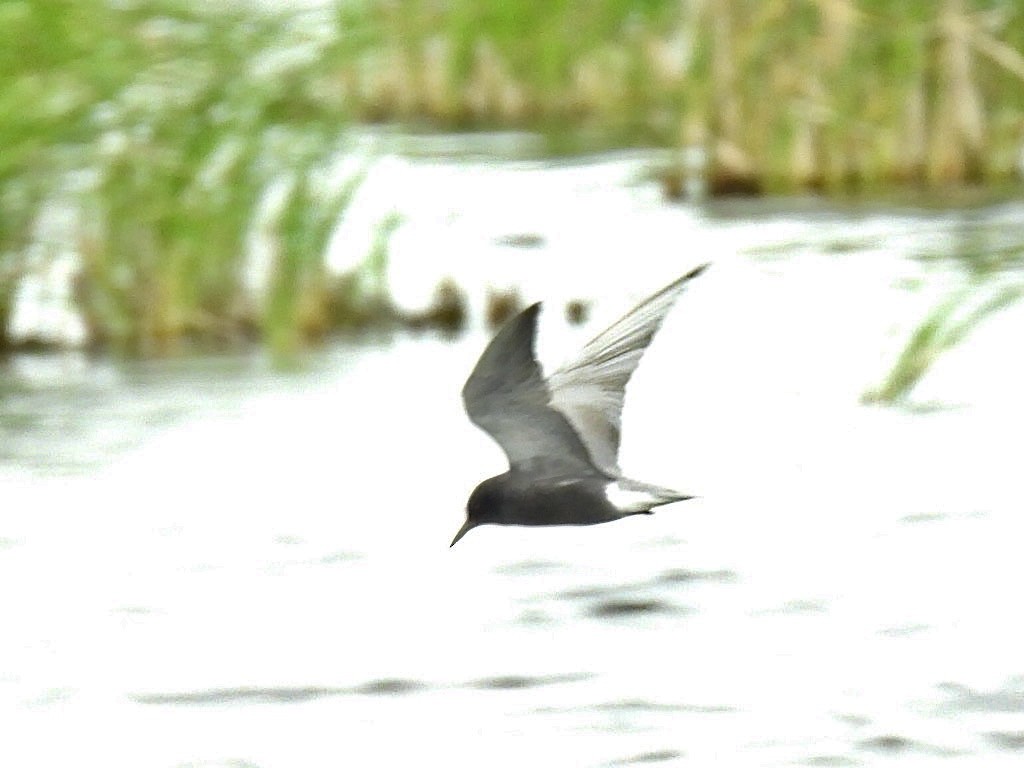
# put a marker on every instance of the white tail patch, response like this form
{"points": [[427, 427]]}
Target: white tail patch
{"points": [[630, 499]]}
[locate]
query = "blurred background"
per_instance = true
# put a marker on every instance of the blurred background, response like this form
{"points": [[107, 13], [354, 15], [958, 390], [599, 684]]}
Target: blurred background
{"points": [[249, 252]]}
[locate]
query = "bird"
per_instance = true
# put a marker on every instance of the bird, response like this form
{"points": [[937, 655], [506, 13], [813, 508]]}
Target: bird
{"points": [[561, 434]]}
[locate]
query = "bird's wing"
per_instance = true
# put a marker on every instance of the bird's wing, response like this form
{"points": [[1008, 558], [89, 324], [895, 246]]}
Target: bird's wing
{"points": [[590, 390], [506, 396]]}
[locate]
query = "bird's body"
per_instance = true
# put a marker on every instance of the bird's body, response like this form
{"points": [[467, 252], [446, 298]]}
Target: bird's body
{"points": [[561, 434], [520, 498]]}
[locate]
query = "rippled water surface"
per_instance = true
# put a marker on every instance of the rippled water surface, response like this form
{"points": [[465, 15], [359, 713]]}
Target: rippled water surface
{"points": [[209, 563]]}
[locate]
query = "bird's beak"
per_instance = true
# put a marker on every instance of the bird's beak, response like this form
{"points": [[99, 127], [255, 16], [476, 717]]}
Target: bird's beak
{"points": [[463, 531]]}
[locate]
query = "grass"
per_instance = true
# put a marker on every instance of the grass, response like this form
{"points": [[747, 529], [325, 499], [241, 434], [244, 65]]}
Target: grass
{"points": [[946, 326], [300, 303], [165, 125], [47, 83], [564, 65], [833, 95]]}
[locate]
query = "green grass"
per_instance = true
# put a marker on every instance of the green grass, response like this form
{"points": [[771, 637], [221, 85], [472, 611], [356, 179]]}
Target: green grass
{"points": [[837, 96], [175, 123], [561, 65], [300, 301], [946, 326], [164, 122]]}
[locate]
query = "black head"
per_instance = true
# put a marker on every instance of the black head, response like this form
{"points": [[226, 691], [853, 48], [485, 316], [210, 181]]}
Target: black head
{"points": [[484, 505]]}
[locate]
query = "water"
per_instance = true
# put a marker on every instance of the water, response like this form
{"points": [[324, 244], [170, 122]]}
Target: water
{"points": [[208, 563]]}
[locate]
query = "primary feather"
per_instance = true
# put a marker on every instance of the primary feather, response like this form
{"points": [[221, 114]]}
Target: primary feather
{"points": [[506, 396], [590, 391], [571, 422]]}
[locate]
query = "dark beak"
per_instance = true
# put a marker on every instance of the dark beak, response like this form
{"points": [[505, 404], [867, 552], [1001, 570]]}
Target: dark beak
{"points": [[463, 531]]}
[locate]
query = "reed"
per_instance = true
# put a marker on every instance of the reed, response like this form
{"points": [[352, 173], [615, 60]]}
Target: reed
{"points": [[834, 95], [301, 304], [48, 82], [360, 297], [17, 207], [162, 257], [945, 326], [166, 123], [159, 116]]}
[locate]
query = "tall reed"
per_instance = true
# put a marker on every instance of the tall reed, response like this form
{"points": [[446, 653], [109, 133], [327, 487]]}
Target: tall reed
{"points": [[945, 326], [301, 301], [158, 115], [799, 94], [166, 121]]}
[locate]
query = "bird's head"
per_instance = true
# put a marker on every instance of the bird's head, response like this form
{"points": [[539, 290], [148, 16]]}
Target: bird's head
{"points": [[484, 506]]}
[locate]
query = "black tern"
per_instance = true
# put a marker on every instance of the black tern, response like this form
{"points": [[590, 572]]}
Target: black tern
{"points": [[561, 434]]}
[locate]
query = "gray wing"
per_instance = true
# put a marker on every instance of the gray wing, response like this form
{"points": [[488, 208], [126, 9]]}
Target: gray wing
{"points": [[506, 396], [590, 391]]}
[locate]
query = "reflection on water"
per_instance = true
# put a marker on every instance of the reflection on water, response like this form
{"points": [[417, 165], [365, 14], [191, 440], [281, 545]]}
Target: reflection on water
{"points": [[207, 562], [69, 413]]}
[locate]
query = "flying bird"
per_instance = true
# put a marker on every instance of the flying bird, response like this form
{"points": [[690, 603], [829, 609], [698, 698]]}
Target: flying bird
{"points": [[561, 434]]}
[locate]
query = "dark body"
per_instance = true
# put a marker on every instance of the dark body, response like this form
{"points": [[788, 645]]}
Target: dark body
{"points": [[517, 498]]}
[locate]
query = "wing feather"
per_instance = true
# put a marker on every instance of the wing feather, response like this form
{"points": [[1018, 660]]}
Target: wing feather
{"points": [[506, 396], [590, 391], [571, 423]]}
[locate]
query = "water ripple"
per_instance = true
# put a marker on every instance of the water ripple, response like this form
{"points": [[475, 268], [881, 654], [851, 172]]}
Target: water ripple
{"points": [[830, 760], [646, 758], [243, 695], [523, 567], [1009, 698], [791, 607], [389, 686], [687, 576], [623, 606], [278, 695], [886, 743], [1012, 741], [645, 705], [894, 744], [907, 630], [518, 682]]}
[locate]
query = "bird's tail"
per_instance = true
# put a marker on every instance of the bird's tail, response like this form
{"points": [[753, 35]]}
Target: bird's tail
{"points": [[634, 496]]}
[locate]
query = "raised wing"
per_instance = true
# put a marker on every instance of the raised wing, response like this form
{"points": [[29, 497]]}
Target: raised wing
{"points": [[506, 396], [590, 391]]}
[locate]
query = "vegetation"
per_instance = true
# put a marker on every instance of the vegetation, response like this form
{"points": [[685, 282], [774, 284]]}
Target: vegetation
{"points": [[796, 94], [944, 327], [164, 127]]}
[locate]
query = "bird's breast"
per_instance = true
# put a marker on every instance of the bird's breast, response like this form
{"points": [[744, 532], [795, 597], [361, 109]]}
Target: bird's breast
{"points": [[564, 502]]}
